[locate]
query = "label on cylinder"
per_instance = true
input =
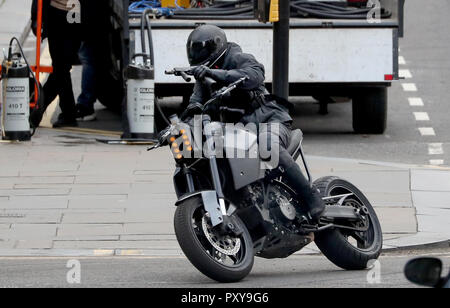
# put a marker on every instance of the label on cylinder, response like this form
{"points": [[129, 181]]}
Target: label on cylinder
{"points": [[15, 105], [141, 106]]}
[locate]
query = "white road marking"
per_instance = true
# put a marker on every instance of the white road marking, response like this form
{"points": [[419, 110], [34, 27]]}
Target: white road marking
{"points": [[401, 60], [415, 102], [435, 149], [421, 116], [436, 162], [427, 131], [409, 87], [405, 74]]}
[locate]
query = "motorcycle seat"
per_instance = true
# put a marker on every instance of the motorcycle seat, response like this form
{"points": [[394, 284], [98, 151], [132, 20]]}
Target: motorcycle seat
{"points": [[295, 142]]}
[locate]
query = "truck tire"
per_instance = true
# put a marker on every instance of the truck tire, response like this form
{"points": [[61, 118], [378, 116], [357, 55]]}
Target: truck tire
{"points": [[370, 111]]}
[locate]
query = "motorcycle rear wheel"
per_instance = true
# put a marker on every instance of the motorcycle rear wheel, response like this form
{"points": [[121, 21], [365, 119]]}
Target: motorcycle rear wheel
{"points": [[224, 259], [336, 244]]}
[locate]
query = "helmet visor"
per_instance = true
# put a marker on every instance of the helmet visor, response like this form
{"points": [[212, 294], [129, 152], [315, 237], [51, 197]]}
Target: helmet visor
{"points": [[200, 52]]}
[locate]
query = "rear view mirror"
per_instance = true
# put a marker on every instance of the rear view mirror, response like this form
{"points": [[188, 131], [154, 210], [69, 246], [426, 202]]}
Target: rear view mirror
{"points": [[424, 271]]}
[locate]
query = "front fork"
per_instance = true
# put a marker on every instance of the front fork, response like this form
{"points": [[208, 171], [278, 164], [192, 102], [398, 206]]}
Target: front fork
{"points": [[214, 200]]}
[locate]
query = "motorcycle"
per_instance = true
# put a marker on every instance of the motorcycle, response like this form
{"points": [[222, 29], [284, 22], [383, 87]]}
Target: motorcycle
{"points": [[230, 210]]}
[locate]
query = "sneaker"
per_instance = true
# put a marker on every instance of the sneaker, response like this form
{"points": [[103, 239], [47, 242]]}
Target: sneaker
{"points": [[85, 114], [63, 122]]}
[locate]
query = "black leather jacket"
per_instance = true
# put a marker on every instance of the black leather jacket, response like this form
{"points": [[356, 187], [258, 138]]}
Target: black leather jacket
{"points": [[252, 95]]}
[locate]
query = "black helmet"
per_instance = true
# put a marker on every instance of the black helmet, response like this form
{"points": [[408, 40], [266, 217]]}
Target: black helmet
{"points": [[207, 43]]}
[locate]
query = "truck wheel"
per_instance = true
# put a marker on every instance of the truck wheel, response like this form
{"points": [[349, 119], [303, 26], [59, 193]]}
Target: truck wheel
{"points": [[370, 111]]}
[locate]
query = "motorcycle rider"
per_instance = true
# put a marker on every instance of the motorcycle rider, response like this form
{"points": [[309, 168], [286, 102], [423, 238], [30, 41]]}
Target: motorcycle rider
{"points": [[214, 57]]}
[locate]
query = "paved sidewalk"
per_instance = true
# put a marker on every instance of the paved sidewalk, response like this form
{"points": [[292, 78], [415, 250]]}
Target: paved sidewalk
{"points": [[14, 21], [64, 194]]}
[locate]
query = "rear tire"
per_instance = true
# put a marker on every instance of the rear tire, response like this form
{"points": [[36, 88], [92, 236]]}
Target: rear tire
{"points": [[196, 248], [333, 242], [370, 111]]}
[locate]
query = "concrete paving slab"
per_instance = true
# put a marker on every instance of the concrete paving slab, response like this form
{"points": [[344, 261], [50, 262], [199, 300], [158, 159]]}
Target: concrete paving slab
{"points": [[430, 180], [34, 244], [94, 218], [31, 202], [55, 253], [81, 230], [31, 231], [380, 199], [431, 199], [30, 217], [94, 204], [100, 189], [437, 224], [7, 244], [143, 228], [94, 238], [368, 181], [36, 192], [156, 245], [148, 237], [397, 220], [36, 180]]}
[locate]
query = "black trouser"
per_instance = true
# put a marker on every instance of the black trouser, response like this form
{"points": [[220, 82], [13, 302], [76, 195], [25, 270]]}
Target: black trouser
{"points": [[64, 43], [276, 139]]}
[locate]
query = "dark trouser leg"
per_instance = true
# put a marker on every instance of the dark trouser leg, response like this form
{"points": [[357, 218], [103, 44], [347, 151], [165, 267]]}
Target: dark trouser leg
{"points": [[278, 142], [64, 43], [88, 94]]}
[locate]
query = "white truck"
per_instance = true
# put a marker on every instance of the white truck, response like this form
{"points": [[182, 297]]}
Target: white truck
{"points": [[354, 58]]}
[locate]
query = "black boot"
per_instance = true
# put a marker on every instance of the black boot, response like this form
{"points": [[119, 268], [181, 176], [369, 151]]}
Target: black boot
{"points": [[307, 195]]}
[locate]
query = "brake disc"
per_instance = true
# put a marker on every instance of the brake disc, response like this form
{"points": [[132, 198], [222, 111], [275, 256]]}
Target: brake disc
{"points": [[224, 244]]}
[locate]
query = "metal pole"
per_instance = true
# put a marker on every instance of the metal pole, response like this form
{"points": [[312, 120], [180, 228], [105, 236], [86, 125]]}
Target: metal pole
{"points": [[281, 52], [38, 50]]}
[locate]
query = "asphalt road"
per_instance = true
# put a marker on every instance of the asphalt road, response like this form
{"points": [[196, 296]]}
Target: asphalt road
{"points": [[294, 272]]}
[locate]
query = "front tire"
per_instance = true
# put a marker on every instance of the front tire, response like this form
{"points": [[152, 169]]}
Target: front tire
{"points": [[336, 243], [208, 252]]}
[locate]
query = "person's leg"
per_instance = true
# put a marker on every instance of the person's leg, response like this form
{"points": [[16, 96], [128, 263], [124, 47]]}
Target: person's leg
{"points": [[88, 96], [66, 44], [278, 138]]}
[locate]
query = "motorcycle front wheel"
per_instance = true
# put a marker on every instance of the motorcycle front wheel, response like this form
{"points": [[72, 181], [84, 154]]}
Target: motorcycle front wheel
{"points": [[350, 250], [222, 258]]}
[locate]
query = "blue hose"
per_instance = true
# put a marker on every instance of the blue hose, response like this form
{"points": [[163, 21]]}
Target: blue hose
{"points": [[155, 5]]}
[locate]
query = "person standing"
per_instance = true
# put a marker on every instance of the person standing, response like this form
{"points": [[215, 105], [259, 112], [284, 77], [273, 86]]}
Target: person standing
{"points": [[63, 32]]}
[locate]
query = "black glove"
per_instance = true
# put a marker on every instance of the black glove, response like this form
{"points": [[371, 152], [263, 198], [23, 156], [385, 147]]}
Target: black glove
{"points": [[202, 71], [191, 110], [213, 109], [162, 137]]}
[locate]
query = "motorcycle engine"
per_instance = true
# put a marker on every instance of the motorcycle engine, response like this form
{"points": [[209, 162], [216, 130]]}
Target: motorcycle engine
{"points": [[281, 206], [283, 232]]}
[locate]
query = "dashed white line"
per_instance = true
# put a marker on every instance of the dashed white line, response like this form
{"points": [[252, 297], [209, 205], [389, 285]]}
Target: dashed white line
{"points": [[415, 102], [401, 60], [427, 131], [409, 87], [435, 149], [421, 116], [405, 74]]}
